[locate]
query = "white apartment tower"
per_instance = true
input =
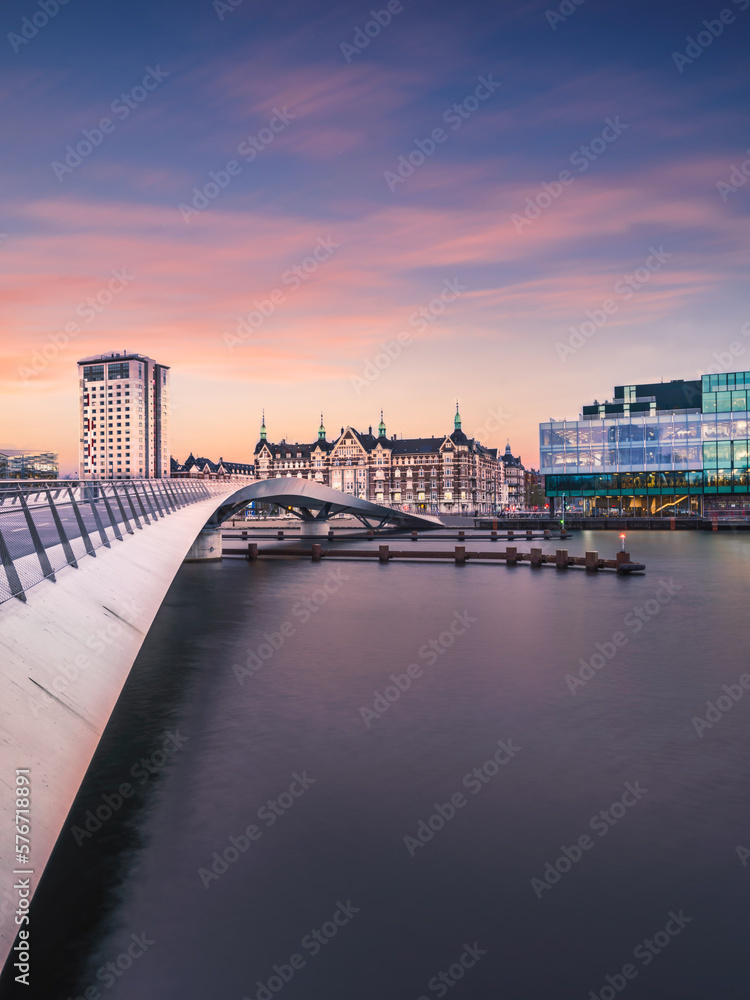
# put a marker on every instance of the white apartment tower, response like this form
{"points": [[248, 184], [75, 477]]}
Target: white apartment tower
{"points": [[124, 417]]}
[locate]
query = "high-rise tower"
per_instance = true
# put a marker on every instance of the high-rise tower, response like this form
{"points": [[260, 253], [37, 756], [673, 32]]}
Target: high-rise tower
{"points": [[124, 422]]}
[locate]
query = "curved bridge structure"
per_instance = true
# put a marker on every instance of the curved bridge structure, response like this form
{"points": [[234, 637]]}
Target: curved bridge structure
{"points": [[85, 568], [312, 502]]}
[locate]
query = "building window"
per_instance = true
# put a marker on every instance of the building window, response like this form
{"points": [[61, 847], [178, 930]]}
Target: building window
{"points": [[93, 373]]}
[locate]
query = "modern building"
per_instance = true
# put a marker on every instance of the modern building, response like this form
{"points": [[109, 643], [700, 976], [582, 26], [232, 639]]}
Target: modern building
{"points": [[124, 417], [449, 473], [657, 449], [18, 463]]}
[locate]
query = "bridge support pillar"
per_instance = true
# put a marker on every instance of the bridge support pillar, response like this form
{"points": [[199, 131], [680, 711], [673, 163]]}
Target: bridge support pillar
{"points": [[206, 547], [313, 529]]}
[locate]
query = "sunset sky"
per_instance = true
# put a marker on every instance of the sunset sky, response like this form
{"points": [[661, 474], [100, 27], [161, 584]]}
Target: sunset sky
{"points": [[491, 101]]}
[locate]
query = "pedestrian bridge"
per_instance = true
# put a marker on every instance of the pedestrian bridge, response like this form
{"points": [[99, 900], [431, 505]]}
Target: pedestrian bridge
{"points": [[85, 568]]}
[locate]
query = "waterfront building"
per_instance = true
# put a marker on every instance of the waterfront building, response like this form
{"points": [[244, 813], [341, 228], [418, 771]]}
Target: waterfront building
{"points": [[204, 468], [20, 463], [514, 496], [124, 417], [451, 473], [657, 449]]}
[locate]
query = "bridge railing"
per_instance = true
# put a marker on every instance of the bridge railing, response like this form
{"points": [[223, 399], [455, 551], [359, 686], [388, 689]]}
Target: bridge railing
{"points": [[46, 525]]}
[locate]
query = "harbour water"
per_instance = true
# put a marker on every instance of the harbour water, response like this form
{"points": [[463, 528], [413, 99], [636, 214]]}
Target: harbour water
{"points": [[356, 782]]}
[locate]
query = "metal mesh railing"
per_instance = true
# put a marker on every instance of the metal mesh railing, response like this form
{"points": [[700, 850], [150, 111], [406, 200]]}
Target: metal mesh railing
{"points": [[48, 525]]}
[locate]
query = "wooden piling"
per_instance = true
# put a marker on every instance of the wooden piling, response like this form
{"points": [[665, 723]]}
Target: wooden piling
{"points": [[535, 557], [316, 551], [461, 536], [252, 551], [493, 536], [414, 536], [511, 556], [280, 535], [383, 553], [561, 558], [460, 555], [592, 561], [546, 533]]}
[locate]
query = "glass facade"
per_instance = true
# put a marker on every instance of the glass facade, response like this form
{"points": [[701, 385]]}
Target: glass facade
{"points": [[662, 462], [16, 464]]}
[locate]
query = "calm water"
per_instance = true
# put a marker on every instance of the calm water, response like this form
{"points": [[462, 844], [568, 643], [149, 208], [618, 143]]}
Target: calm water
{"points": [[329, 855]]}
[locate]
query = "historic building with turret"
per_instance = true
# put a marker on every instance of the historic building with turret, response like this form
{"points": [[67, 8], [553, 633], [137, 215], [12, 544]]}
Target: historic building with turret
{"points": [[448, 474]]}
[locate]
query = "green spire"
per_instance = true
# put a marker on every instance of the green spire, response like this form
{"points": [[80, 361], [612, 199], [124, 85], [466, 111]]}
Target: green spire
{"points": [[381, 426], [263, 427], [321, 430], [457, 419]]}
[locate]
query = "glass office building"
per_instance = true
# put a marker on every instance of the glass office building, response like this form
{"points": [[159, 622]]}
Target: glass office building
{"points": [[657, 449], [19, 464]]}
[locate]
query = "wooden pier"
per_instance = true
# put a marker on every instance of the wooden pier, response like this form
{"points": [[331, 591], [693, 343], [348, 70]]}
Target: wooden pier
{"points": [[510, 556]]}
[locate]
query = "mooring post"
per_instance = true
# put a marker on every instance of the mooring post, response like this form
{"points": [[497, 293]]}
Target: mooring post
{"points": [[252, 551], [461, 536], [316, 551], [511, 556], [383, 553], [460, 555], [370, 533], [536, 557], [546, 533], [243, 535], [414, 536], [280, 535], [672, 523], [563, 533], [330, 534], [493, 536], [561, 558], [622, 557], [511, 534], [592, 561]]}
